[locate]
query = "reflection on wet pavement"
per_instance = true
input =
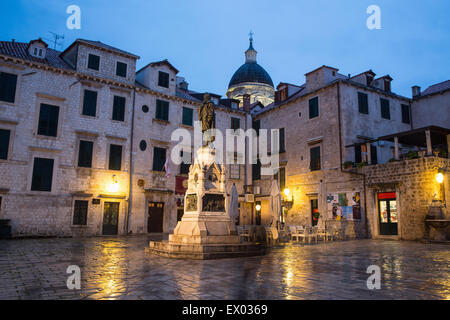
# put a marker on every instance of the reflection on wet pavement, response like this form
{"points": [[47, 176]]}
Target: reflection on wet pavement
{"points": [[118, 268]]}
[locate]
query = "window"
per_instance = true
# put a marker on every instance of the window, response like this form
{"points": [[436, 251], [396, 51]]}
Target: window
{"points": [[4, 143], [80, 212], [119, 108], [163, 79], [94, 62], [85, 154], [405, 114], [314, 107], [184, 167], [48, 120], [90, 103], [256, 170], [363, 104], [8, 83], [42, 175], [162, 110], [235, 171], [159, 159], [121, 69], [281, 141], [187, 116], [235, 123], [256, 125], [115, 157], [385, 110], [282, 181], [314, 158]]}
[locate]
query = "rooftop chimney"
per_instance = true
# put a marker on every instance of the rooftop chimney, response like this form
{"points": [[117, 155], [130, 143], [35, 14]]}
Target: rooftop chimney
{"points": [[415, 91], [246, 101]]}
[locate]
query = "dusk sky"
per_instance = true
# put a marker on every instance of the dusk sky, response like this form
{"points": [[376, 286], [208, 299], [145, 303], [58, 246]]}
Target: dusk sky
{"points": [[206, 39]]}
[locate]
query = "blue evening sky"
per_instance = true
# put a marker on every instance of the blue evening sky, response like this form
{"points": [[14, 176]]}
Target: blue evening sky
{"points": [[206, 39]]}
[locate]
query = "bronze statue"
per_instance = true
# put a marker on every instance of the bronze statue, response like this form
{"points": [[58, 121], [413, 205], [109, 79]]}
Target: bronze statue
{"points": [[206, 116]]}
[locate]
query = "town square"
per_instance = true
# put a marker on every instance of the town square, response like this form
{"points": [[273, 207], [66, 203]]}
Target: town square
{"points": [[195, 155]]}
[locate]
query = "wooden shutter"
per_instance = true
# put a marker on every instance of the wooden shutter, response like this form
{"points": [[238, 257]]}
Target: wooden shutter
{"points": [[90, 103], [4, 143], [85, 154], [119, 108], [48, 120], [8, 84], [115, 157], [42, 174]]}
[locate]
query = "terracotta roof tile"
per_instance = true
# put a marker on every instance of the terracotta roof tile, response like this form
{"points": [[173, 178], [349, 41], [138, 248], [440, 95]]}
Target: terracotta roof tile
{"points": [[20, 50]]}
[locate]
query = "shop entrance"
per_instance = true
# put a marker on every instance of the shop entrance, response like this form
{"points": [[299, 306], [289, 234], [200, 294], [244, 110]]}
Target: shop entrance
{"points": [[155, 217], [387, 213], [110, 218], [314, 212]]}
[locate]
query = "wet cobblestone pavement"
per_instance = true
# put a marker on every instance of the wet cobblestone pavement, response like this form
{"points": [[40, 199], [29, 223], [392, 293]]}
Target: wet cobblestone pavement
{"points": [[118, 268]]}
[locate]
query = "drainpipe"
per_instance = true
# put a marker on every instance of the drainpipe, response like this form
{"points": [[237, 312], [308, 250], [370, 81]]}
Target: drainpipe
{"points": [[130, 188], [366, 226]]}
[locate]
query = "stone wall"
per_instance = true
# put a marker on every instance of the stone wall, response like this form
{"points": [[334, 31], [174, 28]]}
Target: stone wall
{"points": [[415, 186]]}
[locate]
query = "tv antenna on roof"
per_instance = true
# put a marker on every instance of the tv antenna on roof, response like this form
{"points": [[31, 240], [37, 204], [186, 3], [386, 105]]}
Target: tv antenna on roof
{"points": [[56, 38]]}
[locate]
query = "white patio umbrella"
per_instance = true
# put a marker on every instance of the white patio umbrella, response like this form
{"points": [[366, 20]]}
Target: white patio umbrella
{"points": [[275, 203], [233, 209]]}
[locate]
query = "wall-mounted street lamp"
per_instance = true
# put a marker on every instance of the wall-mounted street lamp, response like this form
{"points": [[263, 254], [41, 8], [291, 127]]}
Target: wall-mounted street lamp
{"points": [[440, 180], [113, 186], [258, 207], [439, 177], [288, 200]]}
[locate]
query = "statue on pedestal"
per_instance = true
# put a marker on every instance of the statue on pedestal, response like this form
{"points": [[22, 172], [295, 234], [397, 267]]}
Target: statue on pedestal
{"points": [[207, 117]]}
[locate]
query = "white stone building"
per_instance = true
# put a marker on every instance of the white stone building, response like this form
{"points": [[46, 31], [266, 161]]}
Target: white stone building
{"points": [[86, 141]]}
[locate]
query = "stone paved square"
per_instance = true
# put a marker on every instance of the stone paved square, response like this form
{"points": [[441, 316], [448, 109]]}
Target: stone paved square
{"points": [[118, 268]]}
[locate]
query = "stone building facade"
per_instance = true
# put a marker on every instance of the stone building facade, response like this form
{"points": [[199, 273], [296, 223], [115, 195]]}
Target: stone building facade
{"points": [[87, 144]]}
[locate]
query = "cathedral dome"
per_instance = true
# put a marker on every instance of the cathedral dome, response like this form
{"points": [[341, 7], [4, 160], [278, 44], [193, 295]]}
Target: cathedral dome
{"points": [[251, 72], [251, 81]]}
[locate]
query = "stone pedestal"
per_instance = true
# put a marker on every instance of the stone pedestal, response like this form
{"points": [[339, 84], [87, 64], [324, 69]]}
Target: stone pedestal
{"points": [[205, 230]]}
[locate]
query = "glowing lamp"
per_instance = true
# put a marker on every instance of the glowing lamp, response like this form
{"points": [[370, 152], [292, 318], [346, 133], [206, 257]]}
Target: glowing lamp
{"points": [[439, 177], [287, 192], [113, 187], [258, 207]]}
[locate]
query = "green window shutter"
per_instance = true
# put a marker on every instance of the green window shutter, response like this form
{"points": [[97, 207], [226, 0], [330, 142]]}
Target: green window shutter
{"points": [[314, 107], [48, 120], [363, 104], [85, 154], [119, 108], [4, 143], [115, 157], [188, 116], [90, 103], [121, 69], [282, 140], [162, 110], [385, 109], [94, 62], [42, 175], [235, 123], [8, 84], [80, 212], [163, 79], [406, 118], [159, 159], [256, 125], [315, 158], [256, 170]]}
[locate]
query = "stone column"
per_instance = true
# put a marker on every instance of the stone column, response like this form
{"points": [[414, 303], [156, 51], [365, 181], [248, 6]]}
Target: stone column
{"points": [[429, 146], [369, 153], [396, 155]]}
